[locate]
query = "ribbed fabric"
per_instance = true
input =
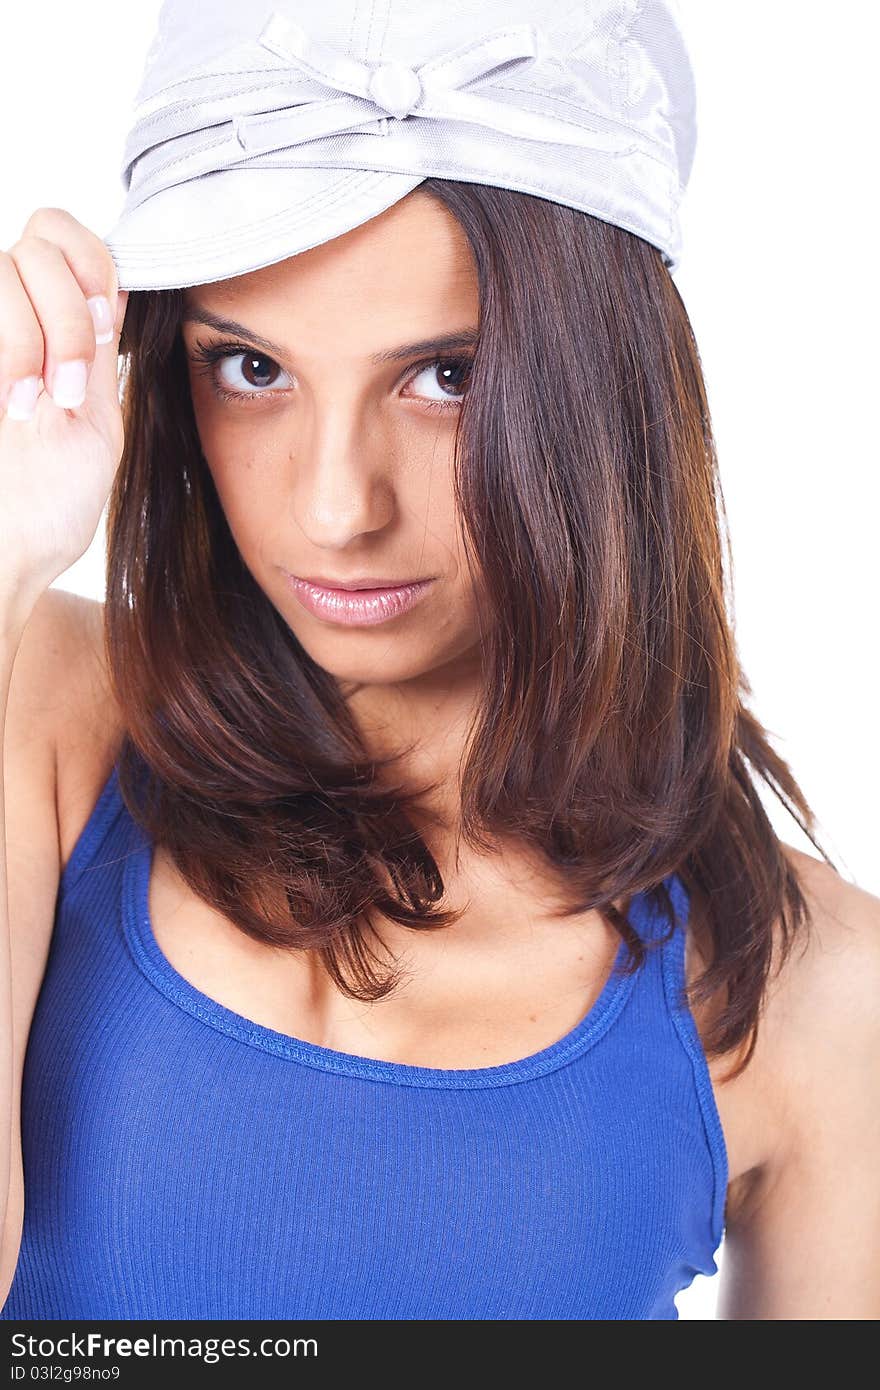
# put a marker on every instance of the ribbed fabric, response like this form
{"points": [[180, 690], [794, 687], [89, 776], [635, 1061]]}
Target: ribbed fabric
{"points": [[183, 1162]]}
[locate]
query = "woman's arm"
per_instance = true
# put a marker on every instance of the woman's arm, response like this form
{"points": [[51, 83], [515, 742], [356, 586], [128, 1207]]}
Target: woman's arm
{"points": [[804, 1242]]}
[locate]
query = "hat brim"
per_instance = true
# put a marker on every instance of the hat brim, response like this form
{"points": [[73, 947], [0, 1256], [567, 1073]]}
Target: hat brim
{"points": [[233, 221]]}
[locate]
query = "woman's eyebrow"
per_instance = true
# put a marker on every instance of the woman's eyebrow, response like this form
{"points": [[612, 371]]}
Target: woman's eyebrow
{"points": [[446, 342]]}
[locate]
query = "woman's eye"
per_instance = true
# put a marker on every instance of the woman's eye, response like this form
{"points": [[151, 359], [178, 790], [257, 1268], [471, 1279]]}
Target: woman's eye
{"points": [[248, 373], [444, 382]]}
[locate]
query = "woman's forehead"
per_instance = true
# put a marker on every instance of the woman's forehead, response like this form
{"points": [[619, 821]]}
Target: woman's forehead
{"points": [[416, 247]]}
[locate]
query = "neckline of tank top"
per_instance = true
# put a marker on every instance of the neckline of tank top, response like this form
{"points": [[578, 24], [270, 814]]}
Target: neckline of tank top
{"points": [[155, 966]]}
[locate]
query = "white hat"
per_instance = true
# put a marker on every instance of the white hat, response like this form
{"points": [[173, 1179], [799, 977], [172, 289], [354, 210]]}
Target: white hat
{"points": [[262, 129]]}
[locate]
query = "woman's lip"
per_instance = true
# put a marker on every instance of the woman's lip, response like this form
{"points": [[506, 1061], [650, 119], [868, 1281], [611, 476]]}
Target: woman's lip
{"points": [[357, 607], [370, 582]]}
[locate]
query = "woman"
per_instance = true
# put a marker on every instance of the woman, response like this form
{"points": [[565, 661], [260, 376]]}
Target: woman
{"points": [[364, 994]]}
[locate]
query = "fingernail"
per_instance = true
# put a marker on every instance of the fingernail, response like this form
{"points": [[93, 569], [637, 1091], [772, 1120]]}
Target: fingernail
{"points": [[23, 396], [69, 384], [99, 308]]}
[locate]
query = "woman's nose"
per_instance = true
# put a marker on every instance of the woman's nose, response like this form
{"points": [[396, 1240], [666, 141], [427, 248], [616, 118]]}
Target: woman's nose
{"points": [[342, 479]]}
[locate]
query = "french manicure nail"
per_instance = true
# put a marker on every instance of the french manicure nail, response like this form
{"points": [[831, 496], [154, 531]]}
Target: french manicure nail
{"points": [[99, 308], [22, 399], [69, 384]]}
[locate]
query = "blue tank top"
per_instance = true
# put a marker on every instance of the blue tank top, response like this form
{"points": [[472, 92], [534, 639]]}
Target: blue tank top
{"points": [[181, 1161]]}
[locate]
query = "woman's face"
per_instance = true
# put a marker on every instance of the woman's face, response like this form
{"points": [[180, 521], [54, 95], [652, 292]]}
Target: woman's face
{"points": [[332, 453]]}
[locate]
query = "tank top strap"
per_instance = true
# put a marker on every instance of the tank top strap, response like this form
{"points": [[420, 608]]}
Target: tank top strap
{"points": [[673, 968], [104, 815]]}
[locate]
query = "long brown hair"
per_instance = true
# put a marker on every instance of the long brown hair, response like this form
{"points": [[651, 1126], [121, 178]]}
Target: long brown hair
{"points": [[613, 734]]}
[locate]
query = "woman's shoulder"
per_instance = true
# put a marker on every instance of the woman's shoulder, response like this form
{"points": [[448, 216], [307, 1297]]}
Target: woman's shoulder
{"points": [[802, 1226], [826, 981], [818, 1022], [818, 1014], [822, 995], [90, 733]]}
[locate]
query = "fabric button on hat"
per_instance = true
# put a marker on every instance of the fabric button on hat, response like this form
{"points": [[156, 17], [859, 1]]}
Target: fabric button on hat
{"points": [[396, 88]]}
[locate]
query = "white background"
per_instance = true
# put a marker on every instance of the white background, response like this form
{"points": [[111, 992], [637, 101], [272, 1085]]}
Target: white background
{"points": [[779, 274]]}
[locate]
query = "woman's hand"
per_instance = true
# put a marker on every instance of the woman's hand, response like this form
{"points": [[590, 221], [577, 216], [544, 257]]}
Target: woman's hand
{"points": [[61, 432]]}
